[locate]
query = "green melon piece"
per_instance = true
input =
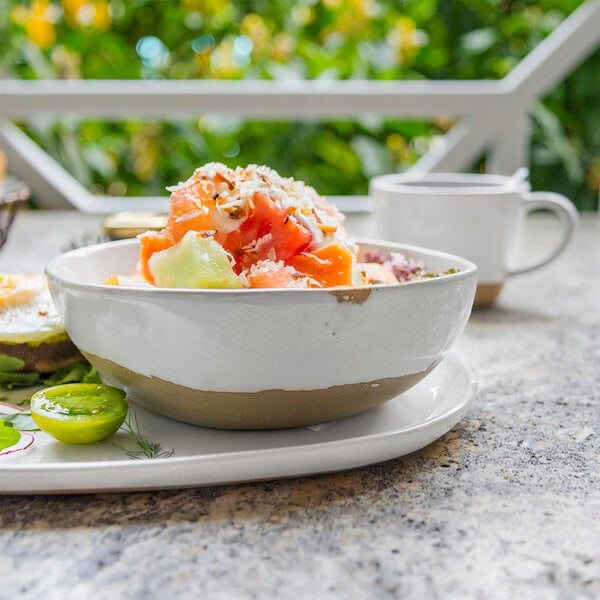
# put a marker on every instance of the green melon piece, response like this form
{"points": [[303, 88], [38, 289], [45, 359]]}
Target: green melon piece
{"points": [[195, 262]]}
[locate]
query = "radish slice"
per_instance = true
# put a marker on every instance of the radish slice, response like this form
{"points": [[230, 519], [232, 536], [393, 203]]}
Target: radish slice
{"points": [[25, 439]]}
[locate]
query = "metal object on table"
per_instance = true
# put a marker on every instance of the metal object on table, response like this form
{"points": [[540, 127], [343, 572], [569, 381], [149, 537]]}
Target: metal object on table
{"points": [[124, 225], [13, 194]]}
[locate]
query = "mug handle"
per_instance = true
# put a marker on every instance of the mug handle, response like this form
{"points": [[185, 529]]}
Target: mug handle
{"points": [[566, 212]]}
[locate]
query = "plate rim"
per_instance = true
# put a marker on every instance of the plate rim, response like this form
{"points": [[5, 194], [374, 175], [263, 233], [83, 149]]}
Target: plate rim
{"points": [[122, 467]]}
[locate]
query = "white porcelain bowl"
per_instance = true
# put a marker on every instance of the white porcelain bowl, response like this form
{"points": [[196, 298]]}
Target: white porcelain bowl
{"points": [[260, 359]]}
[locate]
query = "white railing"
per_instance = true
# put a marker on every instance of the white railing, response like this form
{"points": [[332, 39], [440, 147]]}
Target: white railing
{"points": [[493, 115]]}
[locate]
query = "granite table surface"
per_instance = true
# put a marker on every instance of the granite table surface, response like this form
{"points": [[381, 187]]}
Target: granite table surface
{"points": [[505, 505]]}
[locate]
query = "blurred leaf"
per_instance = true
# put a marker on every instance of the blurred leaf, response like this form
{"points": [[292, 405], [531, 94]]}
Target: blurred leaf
{"points": [[478, 41], [374, 157], [100, 160], [557, 143]]}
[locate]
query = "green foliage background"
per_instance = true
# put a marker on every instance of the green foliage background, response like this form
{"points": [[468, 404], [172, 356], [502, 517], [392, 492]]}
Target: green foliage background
{"points": [[276, 39]]}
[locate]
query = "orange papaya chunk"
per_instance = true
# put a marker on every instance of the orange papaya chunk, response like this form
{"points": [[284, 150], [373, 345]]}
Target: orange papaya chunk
{"points": [[330, 265], [280, 278], [152, 241], [190, 211]]}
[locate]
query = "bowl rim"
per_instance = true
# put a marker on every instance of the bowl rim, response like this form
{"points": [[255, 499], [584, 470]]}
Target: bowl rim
{"points": [[467, 269]]}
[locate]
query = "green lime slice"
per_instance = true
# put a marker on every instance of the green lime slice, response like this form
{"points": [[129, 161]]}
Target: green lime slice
{"points": [[79, 413]]}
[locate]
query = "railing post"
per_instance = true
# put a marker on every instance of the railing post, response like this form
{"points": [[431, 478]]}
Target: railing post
{"points": [[509, 148], [557, 55], [47, 179]]}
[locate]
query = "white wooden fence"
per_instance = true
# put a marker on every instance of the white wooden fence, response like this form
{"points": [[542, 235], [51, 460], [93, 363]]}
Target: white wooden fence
{"points": [[493, 115]]}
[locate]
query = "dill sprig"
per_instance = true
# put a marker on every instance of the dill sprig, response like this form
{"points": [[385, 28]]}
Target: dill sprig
{"points": [[145, 448]]}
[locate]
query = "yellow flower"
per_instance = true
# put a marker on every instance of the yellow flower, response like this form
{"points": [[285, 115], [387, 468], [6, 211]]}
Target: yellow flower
{"points": [[222, 65], [41, 33], [353, 17], [71, 10], [145, 152], [283, 46], [202, 61], [398, 145], [207, 7], [37, 22], [102, 16], [256, 29], [405, 38], [85, 13]]}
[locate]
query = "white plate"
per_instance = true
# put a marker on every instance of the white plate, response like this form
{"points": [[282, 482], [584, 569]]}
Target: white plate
{"points": [[210, 457]]}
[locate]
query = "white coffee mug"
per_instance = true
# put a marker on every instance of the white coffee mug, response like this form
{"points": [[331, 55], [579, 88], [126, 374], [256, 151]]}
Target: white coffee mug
{"points": [[475, 216]]}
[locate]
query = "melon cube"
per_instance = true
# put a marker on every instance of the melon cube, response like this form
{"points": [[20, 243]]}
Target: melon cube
{"points": [[194, 262]]}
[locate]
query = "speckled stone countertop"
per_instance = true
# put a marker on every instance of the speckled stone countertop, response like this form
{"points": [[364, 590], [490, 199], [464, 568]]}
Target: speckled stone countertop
{"points": [[506, 505]]}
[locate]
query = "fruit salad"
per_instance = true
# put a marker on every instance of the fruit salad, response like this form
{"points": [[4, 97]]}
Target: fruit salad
{"points": [[249, 227]]}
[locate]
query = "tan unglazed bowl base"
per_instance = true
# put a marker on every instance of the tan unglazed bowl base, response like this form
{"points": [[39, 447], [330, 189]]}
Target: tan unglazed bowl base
{"points": [[267, 409], [487, 294]]}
